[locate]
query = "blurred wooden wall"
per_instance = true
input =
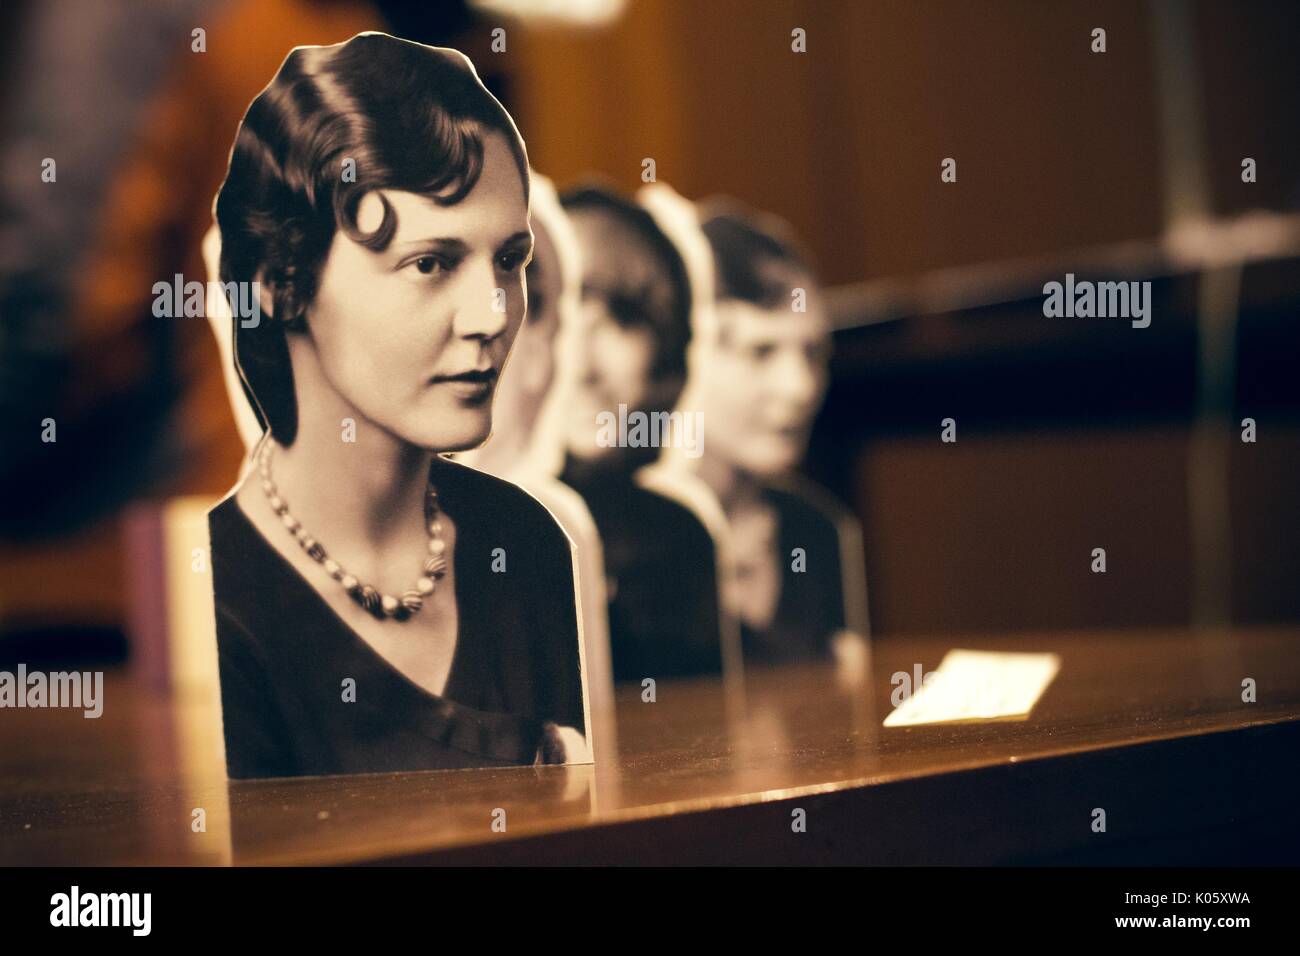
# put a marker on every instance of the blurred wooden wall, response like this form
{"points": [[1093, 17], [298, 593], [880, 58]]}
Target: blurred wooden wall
{"points": [[1056, 147]]}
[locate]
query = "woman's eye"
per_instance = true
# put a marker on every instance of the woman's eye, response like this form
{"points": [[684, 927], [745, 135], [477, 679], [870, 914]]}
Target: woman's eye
{"points": [[510, 261], [427, 265]]}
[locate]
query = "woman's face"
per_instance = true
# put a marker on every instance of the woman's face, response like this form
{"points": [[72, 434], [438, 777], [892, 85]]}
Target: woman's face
{"points": [[621, 282], [531, 367], [764, 384], [414, 337]]}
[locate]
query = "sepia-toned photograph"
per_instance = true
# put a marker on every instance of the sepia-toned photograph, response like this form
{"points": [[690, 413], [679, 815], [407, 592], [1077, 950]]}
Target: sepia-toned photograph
{"points": [[378, 607], [641, 435]]}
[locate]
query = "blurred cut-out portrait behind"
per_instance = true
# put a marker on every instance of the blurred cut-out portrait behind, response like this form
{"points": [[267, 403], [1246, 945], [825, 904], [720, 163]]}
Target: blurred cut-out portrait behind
{"points": [[528, 426], [380, 608], [797, 572], [660, 559]]}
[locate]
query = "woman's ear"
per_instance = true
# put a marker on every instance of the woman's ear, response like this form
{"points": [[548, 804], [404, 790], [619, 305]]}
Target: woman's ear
{"points": [[265, 294]]}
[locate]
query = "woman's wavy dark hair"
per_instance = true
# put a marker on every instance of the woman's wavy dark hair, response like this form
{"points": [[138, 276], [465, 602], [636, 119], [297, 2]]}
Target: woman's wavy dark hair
{"points": [[671, 328], [409, 117], [755, 255]]}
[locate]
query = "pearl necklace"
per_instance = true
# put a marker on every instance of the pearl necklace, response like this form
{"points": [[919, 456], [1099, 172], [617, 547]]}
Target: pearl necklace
{"points": [[381, 606]]}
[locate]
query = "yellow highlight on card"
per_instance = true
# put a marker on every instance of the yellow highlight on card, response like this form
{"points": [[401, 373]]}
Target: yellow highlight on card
{"points": [[978, 685]]}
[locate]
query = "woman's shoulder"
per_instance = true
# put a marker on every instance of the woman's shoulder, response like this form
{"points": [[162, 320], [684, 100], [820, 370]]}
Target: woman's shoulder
{"points": [[237, 547], [475, 496], [247, 581], [806, 505]]}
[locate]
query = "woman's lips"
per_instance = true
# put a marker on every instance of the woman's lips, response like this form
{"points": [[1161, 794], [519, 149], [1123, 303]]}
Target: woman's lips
{"points": [[790, 434], [472, 386]]}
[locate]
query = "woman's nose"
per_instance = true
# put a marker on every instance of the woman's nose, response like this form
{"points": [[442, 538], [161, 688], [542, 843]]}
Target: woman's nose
{"points": [[586, 369], [483, 309], [795, 381]]}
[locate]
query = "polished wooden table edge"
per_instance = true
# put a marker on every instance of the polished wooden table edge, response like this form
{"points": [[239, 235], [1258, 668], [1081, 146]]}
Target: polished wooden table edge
{"points": [[658, 811], [702, 767]]}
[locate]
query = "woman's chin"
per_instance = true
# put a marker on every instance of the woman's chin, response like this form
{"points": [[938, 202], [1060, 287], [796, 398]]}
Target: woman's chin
{"points": [[453, 436]]}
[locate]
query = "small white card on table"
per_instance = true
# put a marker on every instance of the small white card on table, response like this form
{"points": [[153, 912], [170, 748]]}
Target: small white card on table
{"points": [[977, 685]]}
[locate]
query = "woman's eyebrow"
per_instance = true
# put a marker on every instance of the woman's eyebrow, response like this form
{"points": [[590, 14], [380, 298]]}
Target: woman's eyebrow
{"points": [[521, 238], [446, 245]]}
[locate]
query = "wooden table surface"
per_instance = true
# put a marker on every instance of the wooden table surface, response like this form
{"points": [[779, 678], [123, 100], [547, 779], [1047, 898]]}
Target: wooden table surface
{"points": [[1147, 725]]}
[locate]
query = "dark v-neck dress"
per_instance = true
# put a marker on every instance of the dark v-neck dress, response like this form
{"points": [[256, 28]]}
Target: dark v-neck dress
{"points": [[285, 654], [661, 577], [811, 605]]}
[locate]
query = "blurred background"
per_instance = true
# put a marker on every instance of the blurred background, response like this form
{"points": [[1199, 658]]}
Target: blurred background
{"points": [[1072, 434]]}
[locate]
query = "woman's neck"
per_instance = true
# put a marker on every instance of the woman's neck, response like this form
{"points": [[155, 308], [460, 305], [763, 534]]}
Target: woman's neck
{"points": [[357, 496], [735, 490]]}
